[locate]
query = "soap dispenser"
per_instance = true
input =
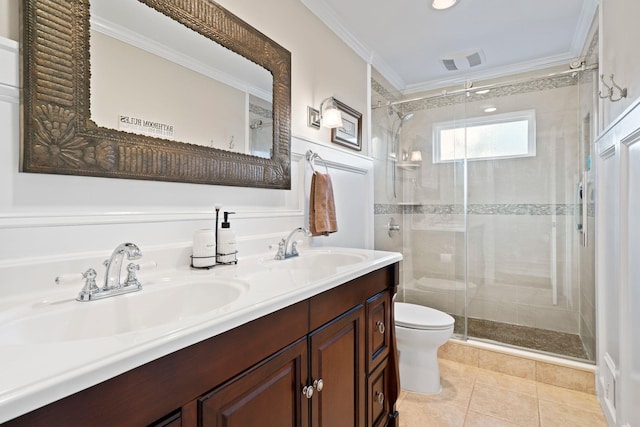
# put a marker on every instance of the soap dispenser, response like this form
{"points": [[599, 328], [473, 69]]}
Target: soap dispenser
{"points": [[227, 242]]}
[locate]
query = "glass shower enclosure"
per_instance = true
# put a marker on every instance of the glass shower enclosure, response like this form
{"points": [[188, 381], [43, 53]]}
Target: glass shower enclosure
{"points": [[487, 192]]}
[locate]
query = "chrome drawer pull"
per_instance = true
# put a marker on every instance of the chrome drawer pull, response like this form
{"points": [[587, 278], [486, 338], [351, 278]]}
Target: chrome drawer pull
{"points": [[380, 397]]}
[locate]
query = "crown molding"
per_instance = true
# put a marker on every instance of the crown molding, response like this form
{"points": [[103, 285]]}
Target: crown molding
{"points": [[388, 73], [585, 22], [332, 20]]}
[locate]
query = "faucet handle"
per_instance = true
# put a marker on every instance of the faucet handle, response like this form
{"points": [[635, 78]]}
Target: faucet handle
{"points": [[90, 288], [281, 250], [132, 280]]}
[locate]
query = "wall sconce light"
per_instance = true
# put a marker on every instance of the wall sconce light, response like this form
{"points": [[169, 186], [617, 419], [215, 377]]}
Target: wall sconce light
{"points": [[327, 115], [416, 156]]}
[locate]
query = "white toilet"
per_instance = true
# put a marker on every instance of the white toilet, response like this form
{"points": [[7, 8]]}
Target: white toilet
{"points": [[420, 331]]}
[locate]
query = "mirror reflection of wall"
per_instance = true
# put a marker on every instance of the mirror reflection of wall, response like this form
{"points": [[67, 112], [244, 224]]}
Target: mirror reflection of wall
{"points": [[136, 90], [260, 127]]}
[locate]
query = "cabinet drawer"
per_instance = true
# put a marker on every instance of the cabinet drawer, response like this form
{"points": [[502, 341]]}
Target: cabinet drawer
{"points": [[378, 328], [332, 303], [378, 396]]}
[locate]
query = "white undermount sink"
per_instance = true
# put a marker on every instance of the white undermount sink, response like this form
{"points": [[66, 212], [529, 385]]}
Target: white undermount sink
{"points": [[317, 259], [160, 303]]}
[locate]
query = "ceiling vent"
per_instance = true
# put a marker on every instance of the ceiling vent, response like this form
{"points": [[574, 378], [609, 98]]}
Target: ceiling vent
{"points": [[449, 64], [463, 60]]}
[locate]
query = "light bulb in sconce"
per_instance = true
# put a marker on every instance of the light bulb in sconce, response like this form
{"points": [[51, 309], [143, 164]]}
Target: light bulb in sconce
{"points": [[331, 117], [328, 115], [416, 156]]}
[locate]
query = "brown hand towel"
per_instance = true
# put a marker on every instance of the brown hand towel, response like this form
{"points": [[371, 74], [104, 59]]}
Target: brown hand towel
{"points": [[322, 210]]}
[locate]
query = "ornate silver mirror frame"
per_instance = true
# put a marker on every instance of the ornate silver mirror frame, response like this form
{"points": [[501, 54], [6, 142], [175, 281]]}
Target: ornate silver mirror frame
{"points": [[59, 136]]}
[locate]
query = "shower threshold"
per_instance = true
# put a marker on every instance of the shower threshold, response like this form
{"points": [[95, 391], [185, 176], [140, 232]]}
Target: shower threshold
{"points": [[536, 339]]}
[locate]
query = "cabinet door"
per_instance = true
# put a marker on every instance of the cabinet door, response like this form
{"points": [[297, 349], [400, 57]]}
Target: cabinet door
{"points": [[337, 359], [268, 395]]}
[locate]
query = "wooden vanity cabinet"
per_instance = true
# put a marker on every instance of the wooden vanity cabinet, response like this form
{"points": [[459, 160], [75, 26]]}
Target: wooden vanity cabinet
{"points": [[255, 374], [272, 392]]}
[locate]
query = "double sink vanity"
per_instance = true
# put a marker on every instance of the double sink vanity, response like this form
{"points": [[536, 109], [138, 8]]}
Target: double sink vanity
{"points": [[303, 341]]}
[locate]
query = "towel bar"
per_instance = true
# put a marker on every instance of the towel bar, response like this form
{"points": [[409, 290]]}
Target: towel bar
{"points": [[311, 158]]}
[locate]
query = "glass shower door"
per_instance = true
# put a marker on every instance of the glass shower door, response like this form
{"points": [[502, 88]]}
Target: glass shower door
{"points": [[433, 200]]}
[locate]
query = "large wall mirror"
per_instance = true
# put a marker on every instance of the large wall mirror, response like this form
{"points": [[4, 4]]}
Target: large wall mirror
{"points": [[174, 90]]}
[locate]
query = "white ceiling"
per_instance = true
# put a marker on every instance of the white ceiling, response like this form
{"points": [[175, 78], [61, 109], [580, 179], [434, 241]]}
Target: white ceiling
{"points": [[405, 40]]}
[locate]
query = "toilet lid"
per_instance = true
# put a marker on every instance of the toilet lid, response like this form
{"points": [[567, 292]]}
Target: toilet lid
{"points": [[420, 317]]}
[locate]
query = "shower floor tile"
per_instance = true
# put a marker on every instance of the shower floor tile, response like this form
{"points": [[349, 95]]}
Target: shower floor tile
{"points": [[559, 343], [474, 397]]}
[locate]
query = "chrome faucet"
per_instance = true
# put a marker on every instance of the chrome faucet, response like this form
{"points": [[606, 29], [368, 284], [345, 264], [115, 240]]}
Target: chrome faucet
{"points": [[114, 264], [112, 285], [283, 246]]}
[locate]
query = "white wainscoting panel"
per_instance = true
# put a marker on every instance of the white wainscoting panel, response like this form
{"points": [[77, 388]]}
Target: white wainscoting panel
{"points": [[617, 268]]}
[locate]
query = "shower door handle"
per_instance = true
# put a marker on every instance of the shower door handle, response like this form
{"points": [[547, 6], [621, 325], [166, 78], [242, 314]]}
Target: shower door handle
{"points": [[577, 206], [585, 208]]}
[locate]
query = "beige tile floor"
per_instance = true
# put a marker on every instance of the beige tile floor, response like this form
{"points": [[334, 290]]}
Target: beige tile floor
{"points": [[475, 397]]}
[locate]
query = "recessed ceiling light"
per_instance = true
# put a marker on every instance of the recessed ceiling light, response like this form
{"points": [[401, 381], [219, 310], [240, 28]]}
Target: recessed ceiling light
{"points": [[490, 109], [443, 4], [482, 92]]}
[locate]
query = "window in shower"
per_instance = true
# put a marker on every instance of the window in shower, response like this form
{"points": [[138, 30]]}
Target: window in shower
{"points": [[499, 136]]}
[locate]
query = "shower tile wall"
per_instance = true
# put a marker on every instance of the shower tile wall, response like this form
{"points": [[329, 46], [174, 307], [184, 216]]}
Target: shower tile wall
{"points": [[521, 238]]}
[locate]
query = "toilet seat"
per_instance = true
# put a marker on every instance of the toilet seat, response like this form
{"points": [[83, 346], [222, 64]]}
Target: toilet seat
{"points": [[415, 316]]}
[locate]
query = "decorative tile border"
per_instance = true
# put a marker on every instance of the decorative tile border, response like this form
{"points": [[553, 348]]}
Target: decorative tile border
{"points": [[387, 209], [593, 46], [476, 209], [379, 88], [260, 111]]}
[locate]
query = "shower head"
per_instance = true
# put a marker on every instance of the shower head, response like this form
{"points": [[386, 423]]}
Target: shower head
{"points": [[402, 119], [405, 117], [402, 116]]}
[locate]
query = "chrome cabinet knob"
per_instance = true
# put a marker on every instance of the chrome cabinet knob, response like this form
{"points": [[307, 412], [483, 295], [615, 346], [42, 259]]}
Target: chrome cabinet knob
{"points": [[318, 384], [307, 391], [380, 326], [380, 397]]}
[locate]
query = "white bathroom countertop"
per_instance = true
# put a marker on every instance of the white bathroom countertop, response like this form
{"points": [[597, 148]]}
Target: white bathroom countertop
{"points": [[38, 368]]}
